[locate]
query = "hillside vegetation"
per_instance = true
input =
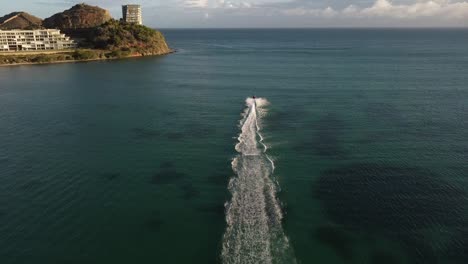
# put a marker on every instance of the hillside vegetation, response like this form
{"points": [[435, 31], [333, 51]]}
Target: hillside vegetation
{"points": [[130, 38]]}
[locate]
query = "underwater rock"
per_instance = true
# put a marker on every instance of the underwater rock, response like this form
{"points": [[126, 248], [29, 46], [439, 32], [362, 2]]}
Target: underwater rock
{"points": [[166, 165], [189, 191], [458, 248], [383, 257], [339, 240], [111, 175], [419, 251], [154, 222], [167, 174], [388, 199]]}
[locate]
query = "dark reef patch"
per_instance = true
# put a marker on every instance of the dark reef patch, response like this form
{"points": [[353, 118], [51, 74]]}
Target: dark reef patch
{"points": [[167, 175], [154, 222], [383, 257], [189, 191], [111, 175], [458, 248], [418, 250], [337, 239], [145, 133], [166, 165], [400, 203], [387, 199]]}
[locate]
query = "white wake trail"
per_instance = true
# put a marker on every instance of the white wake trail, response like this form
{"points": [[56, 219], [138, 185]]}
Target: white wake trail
{"points": [[254, 233]]}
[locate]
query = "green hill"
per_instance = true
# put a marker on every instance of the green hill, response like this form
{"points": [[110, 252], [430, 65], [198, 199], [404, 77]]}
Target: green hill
{"points": [[127, 38]]}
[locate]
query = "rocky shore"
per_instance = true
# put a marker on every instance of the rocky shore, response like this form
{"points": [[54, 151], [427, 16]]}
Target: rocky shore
{"points": [[81, 55]]}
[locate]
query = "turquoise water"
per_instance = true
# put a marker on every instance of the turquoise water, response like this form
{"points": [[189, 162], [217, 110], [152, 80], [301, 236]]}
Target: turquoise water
{"points": [[131, 161]]}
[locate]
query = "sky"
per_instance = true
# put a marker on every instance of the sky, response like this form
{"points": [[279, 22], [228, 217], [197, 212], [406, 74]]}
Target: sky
{"points": [[271, 13]]}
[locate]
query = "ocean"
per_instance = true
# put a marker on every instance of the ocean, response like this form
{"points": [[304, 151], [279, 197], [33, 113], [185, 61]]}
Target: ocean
{"points": [[355, 150]]}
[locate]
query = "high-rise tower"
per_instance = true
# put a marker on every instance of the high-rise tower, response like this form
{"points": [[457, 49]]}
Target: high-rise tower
{"points": [[132, 14]]}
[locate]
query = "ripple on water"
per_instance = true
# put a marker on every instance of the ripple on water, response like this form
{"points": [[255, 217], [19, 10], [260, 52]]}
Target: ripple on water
{"points": [[175, 136], [398, 202], [386, 198], [145, 133]]}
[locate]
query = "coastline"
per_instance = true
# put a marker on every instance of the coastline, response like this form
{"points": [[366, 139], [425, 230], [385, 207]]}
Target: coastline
{"points": [[81, 60]]}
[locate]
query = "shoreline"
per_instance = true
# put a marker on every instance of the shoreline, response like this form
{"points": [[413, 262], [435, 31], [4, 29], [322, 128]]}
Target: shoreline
{"points": [[84, 60]]}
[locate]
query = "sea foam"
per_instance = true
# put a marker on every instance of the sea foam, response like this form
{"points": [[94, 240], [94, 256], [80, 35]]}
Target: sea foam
{"points": [[254, 233]]}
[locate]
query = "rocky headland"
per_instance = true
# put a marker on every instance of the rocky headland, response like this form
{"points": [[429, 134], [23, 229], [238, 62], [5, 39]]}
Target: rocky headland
{"points": [[78, 17], [20, 20], [98, 35]]}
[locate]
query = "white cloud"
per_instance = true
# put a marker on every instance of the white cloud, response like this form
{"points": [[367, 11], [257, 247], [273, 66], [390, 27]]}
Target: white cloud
{"points": [[327, 12], [195, 3], [316, 13], [351, 9], [216, 4], [380, 8], [428, 8], [385, 8]]}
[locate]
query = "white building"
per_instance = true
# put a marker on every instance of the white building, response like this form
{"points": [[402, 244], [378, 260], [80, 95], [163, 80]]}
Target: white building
{"points": [[132, 14], [41, 39]]}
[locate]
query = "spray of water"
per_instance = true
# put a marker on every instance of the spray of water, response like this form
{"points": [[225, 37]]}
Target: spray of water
{"points": [[254, 233]]}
